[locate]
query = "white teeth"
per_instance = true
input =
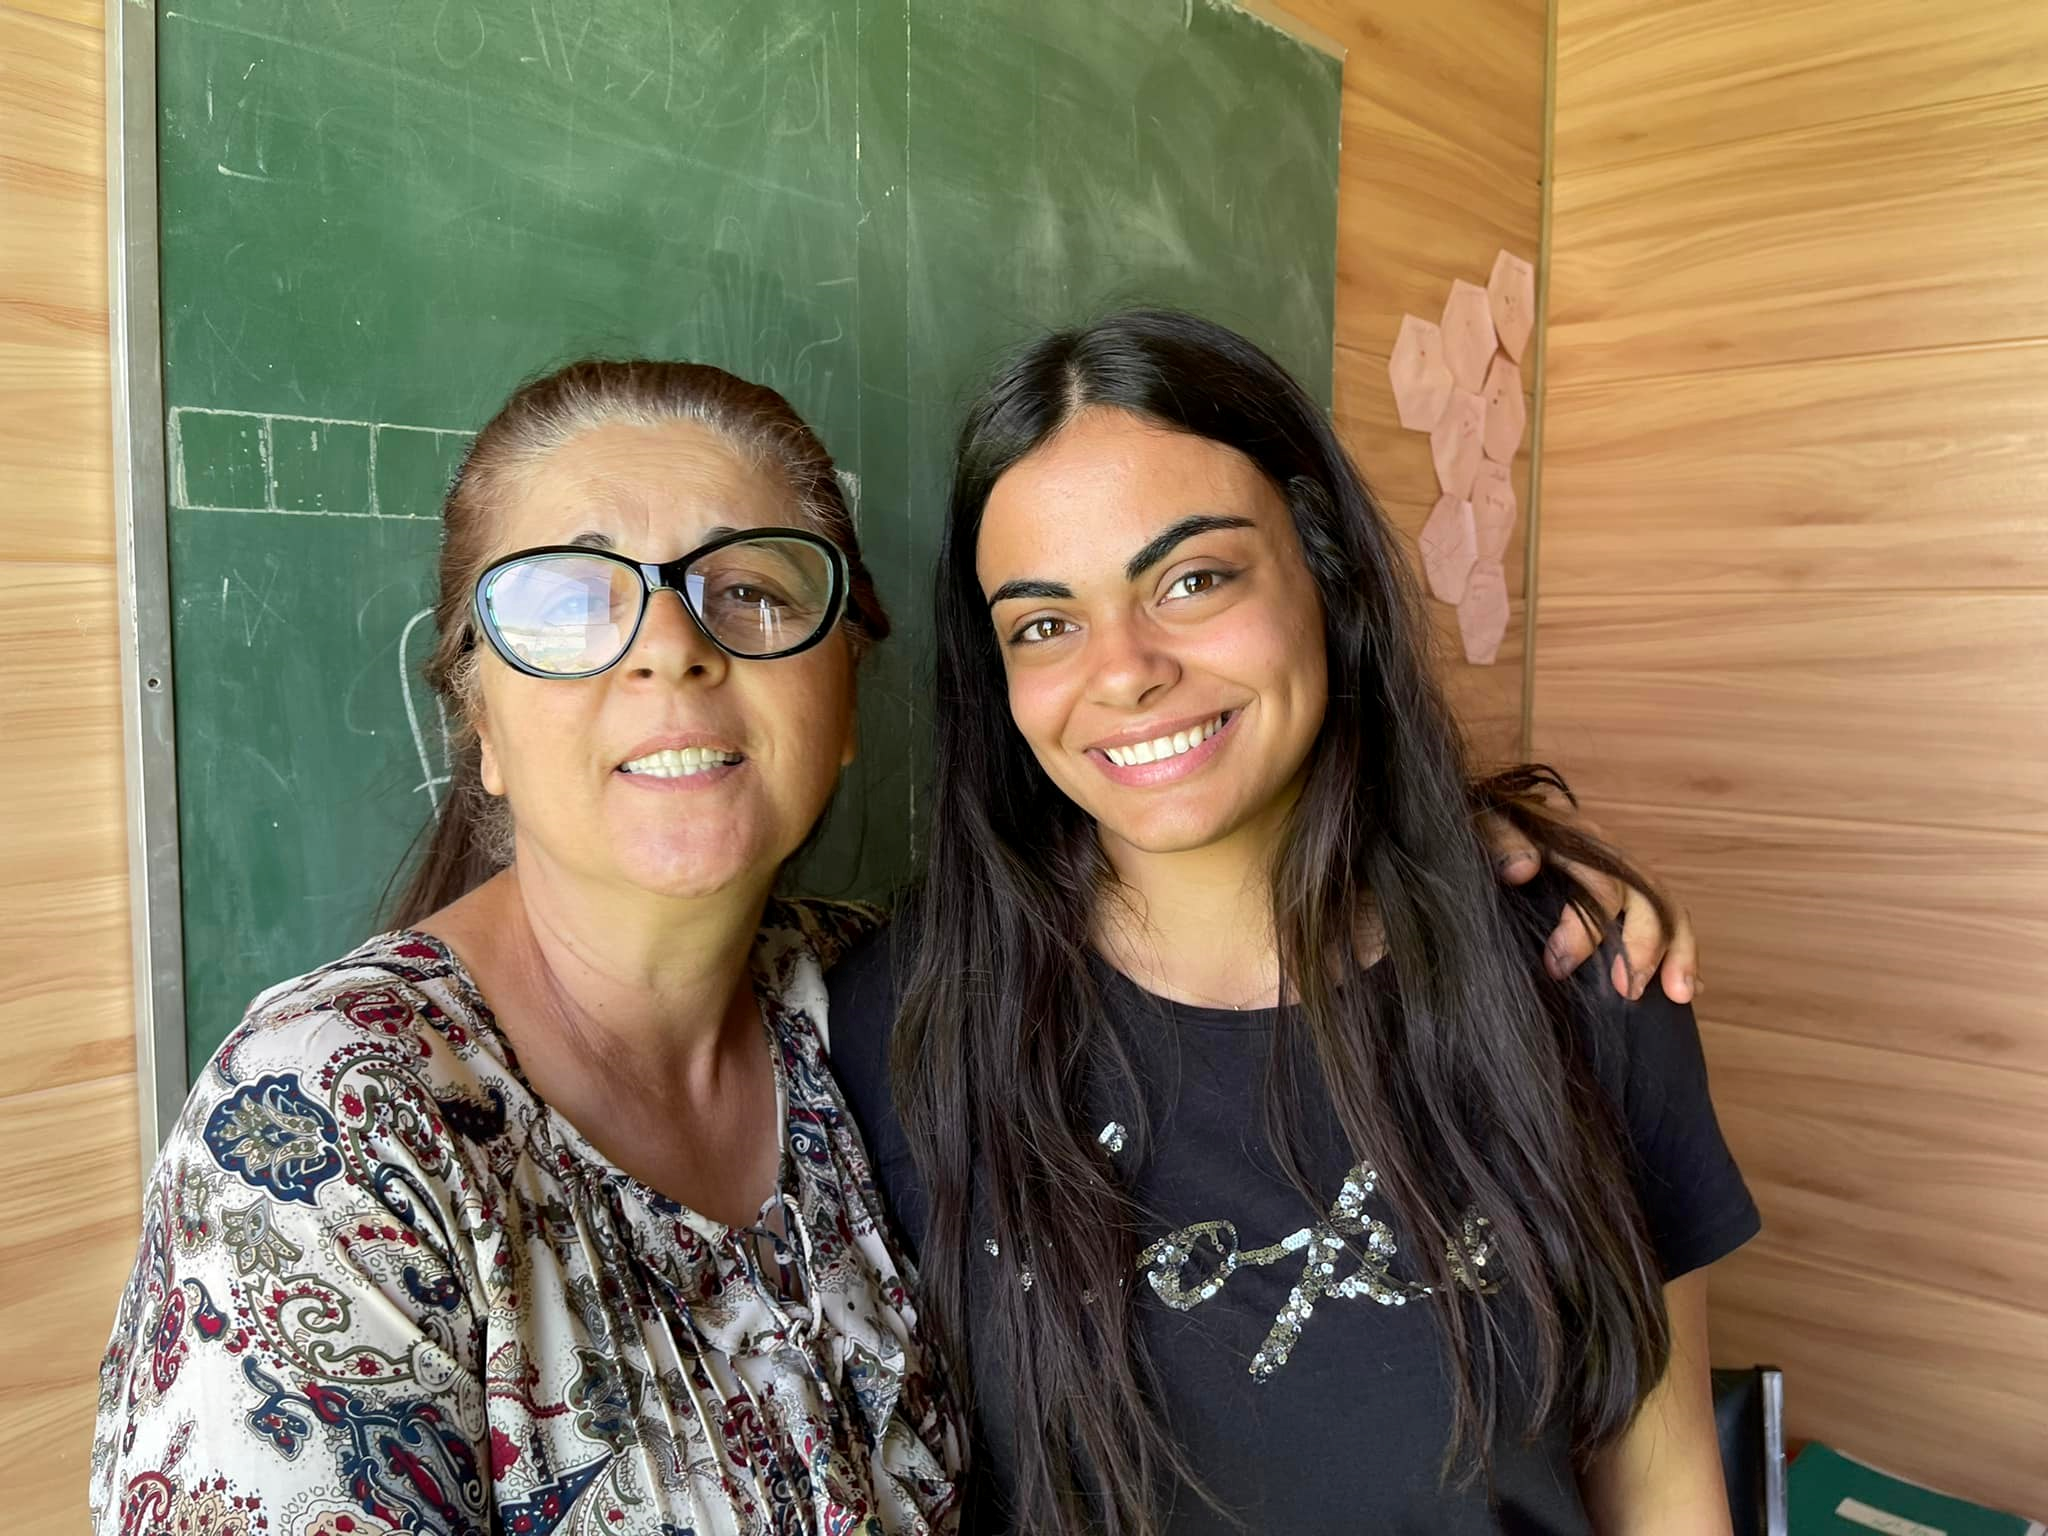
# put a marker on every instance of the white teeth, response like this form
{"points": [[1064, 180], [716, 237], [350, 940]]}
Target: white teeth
{"points": [[1163, 747], [680, 762]]}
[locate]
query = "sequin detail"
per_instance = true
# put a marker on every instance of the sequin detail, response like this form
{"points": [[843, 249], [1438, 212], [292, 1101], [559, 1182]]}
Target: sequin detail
{"points": [[1112, 1136], [1211, 1249]]}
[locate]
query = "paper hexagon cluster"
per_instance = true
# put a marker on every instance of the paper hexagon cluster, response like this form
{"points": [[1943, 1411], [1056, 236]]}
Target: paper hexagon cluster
{"points": [[1459, 378]]}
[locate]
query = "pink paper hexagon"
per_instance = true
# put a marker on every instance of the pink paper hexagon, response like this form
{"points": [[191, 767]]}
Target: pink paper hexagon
{"points": [[1450, 548], [1468, 334], [1420, 376], [1493, 509], [1505, 412], [1511, 295], [1458, 443], [1483, 613]]}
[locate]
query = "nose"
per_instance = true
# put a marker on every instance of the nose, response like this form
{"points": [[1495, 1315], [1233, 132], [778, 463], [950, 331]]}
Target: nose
{"points": [[1132, 665], [671, 648]]}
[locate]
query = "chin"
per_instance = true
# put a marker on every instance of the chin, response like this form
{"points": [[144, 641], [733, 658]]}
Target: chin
{"points": [[692, 863], [1168, 834]]}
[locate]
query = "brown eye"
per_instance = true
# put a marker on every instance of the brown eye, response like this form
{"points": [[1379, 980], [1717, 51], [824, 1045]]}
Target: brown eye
{"points": [[1038, 631], [1195, 583]]}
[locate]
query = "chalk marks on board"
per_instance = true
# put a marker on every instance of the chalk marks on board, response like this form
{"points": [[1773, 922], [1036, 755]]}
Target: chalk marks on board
{"points": [[250, 461], [430, 741]]}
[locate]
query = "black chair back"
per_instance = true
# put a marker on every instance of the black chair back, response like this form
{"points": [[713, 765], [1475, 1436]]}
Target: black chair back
{"points": [[1749, 1414]]}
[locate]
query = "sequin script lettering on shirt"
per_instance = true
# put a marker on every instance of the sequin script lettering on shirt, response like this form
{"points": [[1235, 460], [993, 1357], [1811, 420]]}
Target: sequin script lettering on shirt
{"points": [[1187, 1267]]}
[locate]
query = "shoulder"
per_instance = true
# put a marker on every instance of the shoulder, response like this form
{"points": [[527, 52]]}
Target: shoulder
{"points": [[391, 1034]]}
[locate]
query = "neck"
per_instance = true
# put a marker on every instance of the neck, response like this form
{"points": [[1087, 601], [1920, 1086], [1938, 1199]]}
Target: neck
{"points": [[652, 986], [1197, 926]]}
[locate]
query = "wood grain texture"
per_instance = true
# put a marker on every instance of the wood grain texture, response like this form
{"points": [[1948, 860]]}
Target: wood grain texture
{"points": [[69, 1186], [1471, 71], [88, 14], [55, 445], [1855, 1155], [1921, 229], [1415, 211], [1927, 1383], [1812, 477], [65, 987], [1900, 707], [1637, 79], [1921, 941], [53, 169], [1794, 595]]}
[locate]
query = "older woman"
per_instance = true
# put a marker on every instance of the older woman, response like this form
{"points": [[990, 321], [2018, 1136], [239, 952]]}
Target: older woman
{"points": [[543, 1212]]}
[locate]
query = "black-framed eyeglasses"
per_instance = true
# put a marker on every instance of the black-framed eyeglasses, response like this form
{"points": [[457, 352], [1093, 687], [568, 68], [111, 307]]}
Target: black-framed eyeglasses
{"points": [[566, 610]]}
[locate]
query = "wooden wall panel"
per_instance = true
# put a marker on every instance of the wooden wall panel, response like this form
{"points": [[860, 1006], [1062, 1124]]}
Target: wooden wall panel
{"points": [[64, 977], [1871, 1158], [1912, 938], [72, 1196], [1649, 79], [1805, 478], [1415, 211], [1876, 707], [54, 449], [1469, 71], [1936, 1386], [88, 14], [68, 1155], [1798, 245], [1794, 600]]}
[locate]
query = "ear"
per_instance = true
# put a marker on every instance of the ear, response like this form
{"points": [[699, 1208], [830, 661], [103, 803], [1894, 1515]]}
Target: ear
{"points": [[850, 748], [488, 772]]}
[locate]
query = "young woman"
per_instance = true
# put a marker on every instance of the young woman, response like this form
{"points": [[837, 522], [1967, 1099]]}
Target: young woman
{"points": [[1263, 1173]]}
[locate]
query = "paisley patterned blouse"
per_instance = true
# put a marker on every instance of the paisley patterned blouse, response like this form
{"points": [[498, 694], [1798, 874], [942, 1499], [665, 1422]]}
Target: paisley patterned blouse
{"points": [[383, 1287]]}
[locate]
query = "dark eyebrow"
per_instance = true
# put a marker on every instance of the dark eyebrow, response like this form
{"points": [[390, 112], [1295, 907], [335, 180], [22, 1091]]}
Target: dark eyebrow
{"points": [[1162, 546], [1057, 591], [1154, 552]]}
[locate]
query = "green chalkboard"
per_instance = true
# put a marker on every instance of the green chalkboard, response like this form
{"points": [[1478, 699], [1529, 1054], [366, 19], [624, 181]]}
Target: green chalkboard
{"points": [[377, 216]]}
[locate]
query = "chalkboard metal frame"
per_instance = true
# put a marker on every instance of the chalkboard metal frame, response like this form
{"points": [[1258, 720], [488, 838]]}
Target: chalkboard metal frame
{"points": [[143, 571]]}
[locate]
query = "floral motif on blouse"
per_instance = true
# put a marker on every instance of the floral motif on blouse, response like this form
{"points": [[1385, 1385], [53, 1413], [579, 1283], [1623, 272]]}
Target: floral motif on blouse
{"points": [[382, 1287]]}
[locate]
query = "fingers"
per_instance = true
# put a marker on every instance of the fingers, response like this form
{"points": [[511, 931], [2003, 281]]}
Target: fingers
{"points": [[1643, 942], [1573, 942], [1681, 971], [1569, 944], [1514, 856]]}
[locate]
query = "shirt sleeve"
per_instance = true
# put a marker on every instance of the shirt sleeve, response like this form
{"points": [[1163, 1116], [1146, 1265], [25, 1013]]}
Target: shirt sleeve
{"points": [[299, 1336], [863, 1011], [1694, 1201]]}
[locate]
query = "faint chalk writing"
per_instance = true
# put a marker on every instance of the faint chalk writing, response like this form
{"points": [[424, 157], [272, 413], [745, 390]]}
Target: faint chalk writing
{"points": [[429, 736]]}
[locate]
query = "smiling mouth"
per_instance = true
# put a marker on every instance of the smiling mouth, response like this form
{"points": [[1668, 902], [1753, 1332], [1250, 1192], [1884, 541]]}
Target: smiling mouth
{"points": [[680, 762], [1162, 748]]}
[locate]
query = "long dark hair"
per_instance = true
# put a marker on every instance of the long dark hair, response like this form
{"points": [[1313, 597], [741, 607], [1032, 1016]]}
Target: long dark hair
{"points": [[1460, 1085], [468, 840]]}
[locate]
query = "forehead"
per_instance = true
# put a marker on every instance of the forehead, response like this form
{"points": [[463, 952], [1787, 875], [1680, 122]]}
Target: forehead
{"points": [[654, 490], [1107, 482]]}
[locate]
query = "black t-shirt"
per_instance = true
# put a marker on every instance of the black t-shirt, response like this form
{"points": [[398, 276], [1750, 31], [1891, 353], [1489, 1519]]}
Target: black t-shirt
{"points": [[1337, 1422]]}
